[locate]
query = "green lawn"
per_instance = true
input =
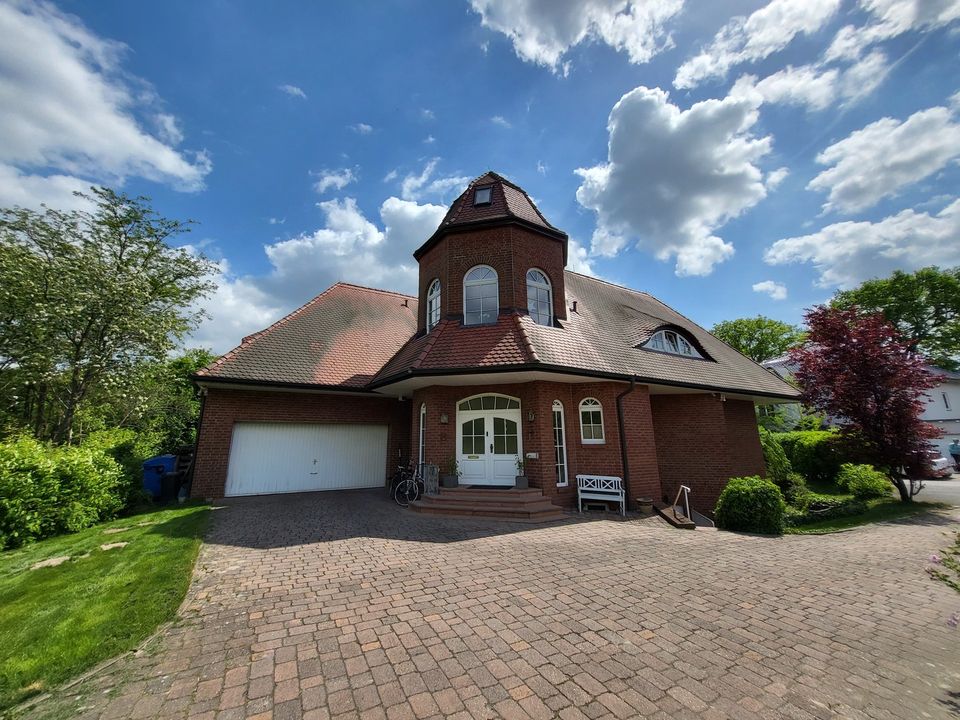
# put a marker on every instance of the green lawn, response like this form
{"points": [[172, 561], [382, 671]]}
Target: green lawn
{"points": [[56, 622], [877, 511]]}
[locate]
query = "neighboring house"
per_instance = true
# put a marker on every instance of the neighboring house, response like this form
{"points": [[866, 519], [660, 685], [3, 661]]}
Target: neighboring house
{"points": [[503, 354], [943, 400]]}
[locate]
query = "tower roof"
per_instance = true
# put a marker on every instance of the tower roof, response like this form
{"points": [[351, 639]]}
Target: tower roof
{"points": [[507, 203]]}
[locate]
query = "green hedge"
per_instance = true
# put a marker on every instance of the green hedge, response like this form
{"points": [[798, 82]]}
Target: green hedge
{"points": [[779, 469], [751, 504], [815, 454], [864, 482], [46, 490], [129, 450]]}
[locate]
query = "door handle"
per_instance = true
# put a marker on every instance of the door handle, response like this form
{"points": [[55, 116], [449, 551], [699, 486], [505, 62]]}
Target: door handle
{"points": [[491, 448]]}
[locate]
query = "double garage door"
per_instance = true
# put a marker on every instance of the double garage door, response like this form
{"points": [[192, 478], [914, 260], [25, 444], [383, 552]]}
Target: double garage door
{"points": [[270, 458]]}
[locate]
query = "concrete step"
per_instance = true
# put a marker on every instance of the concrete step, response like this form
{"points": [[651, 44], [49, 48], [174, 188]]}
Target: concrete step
{"points": [[526, 505], [548, 514]]}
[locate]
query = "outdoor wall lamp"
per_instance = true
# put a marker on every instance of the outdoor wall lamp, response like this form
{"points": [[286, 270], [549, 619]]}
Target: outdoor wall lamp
{"points": [[443, 418], [531, 416]]}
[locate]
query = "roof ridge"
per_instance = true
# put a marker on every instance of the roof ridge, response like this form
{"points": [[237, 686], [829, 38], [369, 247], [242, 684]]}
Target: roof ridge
{"points": [[252, 338], [431, 341], [518, 320], [594, 278], [370, 289]]}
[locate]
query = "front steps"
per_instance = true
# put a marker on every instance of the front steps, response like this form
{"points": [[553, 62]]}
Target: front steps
{"points": [[526, 505]]}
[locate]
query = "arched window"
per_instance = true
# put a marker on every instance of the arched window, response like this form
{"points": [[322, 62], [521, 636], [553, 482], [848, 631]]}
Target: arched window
{"points": [[433, 305], [670, 341], [481, 296], [591, 422], [559, 444], [539, 297]]}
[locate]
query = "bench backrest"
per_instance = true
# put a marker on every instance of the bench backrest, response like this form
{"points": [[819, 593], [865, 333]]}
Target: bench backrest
{"points": [[603, 483]]}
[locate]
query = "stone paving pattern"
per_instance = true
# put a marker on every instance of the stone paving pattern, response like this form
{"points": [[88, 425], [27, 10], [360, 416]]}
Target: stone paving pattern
{"points": [[340, 605]]}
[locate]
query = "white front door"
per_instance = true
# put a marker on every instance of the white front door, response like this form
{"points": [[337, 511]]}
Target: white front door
{"points": [[488, 445]]}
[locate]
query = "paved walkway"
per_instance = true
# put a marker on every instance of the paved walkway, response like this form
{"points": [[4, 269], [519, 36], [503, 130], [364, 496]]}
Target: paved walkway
{"points": [[340, 605]]}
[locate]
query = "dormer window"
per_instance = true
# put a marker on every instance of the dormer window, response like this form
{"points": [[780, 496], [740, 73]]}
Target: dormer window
{"points": [[670, 341], [483, 196]]}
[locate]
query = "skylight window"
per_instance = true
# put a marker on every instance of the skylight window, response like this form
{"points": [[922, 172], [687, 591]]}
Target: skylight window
{"points": [[672, 342], [483, 196]]}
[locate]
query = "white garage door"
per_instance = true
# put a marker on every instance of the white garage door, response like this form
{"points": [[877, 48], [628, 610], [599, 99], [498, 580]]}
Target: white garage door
{"points": [[287, 457]]}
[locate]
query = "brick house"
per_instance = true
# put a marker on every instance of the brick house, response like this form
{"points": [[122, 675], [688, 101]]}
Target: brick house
{"points": [[504, 354]]}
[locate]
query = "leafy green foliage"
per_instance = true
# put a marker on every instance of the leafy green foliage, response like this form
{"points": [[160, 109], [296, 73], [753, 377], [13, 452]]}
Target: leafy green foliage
{"points": [[59, 621], [751, 504], [46, 490], [128, 449], [924, 306], [87, 298], [864, 482], [946, 568], [779, 469], [759, 338], [815, 454]]}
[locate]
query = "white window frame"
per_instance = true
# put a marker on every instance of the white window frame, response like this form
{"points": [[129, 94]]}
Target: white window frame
{"points": [[673, 343], [560, 449], [537, 285], [487, 189], [591, 404], [433, 304], [422, 443], [495, 281]]}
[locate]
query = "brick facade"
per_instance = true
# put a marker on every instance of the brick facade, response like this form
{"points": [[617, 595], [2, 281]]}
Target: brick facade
{"points": [[223, 408], [701, 442]]}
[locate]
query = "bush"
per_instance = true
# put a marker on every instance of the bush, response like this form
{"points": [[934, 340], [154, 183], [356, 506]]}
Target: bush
{"points": [[863, 481], [46, 490], [825, 507], [779, 470], [815, 454], [751, 504], [129, 450]]}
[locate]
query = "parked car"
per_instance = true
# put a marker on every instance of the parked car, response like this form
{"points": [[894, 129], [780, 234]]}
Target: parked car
{"points": [[938, 467]]}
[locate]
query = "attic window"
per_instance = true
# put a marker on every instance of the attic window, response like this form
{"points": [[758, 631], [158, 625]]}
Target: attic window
{"points": [[672, 342], [482, 196]]}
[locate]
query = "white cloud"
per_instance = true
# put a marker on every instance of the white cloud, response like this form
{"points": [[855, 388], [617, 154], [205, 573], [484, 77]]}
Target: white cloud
{"points": [[674, 176], [542, 167], [292, 91], [69, 112], [776, 291], [775, 177], [346, 247], [429, 140], [427, 114], [362, 128], [578, 259], [337, 179], [543, 32], [417, 186], [277, 221], [816, 87], [878, 160], [764, 32], [889, 19], [846, 253], [501, 121]]}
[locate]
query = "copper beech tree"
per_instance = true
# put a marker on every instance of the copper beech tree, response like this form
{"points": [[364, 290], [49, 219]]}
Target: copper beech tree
{"points": [[856, 367]]}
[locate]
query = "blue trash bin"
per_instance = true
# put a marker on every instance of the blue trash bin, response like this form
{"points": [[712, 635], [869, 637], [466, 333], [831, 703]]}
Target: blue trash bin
{"points": [[153, 471]]}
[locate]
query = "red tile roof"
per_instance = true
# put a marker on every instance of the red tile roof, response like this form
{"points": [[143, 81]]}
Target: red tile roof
{"points": [[341, 338]]}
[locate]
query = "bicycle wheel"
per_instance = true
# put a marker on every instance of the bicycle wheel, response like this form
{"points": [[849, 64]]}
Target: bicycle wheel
{"points": [[401, 493]]}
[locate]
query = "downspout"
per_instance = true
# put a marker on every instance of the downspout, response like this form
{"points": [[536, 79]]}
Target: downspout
{"points": [[623, 440]]}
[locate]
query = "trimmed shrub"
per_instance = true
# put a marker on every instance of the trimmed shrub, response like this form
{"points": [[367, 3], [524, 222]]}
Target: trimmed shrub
{"points": [[815, 454], [779, 470], [751, 504], [863, 481], [46, 490]]}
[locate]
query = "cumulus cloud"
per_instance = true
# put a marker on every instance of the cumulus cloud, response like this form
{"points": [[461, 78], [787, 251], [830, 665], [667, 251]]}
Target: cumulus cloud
{"points": [[748, 39], [674, 176], [543, 32], [775, 177], [71, 116], [336, 179], [348, 246], [419, 185], [362, 128], [292, 91], [878, 160], [501, 121], [847, 253], [776, 291]]}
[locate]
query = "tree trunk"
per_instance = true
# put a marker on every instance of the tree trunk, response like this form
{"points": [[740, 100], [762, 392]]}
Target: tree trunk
{"points": [[903, 488]]}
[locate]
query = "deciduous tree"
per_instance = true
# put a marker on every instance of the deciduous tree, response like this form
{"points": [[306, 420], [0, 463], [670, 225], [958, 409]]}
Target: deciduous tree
{"points": [[759, 338], [856, 367]]}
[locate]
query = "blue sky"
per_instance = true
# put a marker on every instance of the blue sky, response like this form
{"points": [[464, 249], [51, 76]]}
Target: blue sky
{"points": [[731, 158]]}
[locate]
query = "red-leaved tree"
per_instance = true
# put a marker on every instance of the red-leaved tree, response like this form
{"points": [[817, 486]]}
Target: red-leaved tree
{"points": [[856, 367]]}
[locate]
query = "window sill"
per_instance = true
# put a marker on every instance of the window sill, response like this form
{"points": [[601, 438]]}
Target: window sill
{"points": [[592, 442]]}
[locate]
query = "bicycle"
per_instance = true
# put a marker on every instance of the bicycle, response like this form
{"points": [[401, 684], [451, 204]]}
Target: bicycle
{"points": [[409, 486]]}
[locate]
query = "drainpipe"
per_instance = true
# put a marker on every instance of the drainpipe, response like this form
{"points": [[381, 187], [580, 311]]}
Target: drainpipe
{"points": [[623, 440]]}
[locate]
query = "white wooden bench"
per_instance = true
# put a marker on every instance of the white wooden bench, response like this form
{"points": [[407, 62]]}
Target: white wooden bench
{"points": [[601, 487]]}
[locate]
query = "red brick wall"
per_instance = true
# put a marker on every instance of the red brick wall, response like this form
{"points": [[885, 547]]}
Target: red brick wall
{"points": [[702, 442], [605, 459], [222, 408], [509, 250]]}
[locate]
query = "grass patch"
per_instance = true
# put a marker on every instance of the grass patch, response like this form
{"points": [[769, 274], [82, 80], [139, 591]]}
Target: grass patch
{"points": [[56, 622], [877, 511]]}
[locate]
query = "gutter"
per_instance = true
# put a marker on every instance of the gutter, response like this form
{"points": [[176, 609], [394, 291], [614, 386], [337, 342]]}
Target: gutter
{"points": [[623, 441]]}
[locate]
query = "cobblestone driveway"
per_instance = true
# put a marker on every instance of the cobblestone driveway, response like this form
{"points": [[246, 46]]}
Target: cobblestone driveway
{"points": [[340, 605]]}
